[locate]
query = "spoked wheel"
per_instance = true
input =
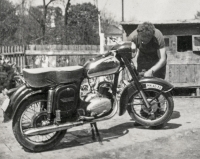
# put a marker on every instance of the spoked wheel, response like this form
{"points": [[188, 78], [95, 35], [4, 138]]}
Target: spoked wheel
{"points": [[33, 114], [161, 108]]}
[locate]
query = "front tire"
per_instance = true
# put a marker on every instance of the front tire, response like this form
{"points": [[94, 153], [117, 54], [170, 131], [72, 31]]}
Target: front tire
{"points": [[32, 113], [162, 106]]}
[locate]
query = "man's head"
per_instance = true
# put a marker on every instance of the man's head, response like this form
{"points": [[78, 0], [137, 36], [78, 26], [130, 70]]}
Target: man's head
{"points": [[145, 32]]}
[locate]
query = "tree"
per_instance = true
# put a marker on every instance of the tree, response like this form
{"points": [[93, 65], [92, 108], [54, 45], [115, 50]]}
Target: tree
{"points": [[43, 15], [67, 11], [24, 24], [8, 22], [197, 16], [55, 23], [107, 19], [41, 24], [82, 24]]}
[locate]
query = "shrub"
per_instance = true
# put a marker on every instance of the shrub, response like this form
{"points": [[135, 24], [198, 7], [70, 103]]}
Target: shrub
{"points": [[7, 72]]}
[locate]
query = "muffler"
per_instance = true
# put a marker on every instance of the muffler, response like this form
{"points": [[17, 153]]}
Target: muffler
{"points": [[51, 128], [65, 126]]}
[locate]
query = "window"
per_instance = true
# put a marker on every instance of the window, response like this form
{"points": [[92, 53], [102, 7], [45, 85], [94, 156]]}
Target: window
{"points": [[166, 42], [184, 43], [196, 42]]}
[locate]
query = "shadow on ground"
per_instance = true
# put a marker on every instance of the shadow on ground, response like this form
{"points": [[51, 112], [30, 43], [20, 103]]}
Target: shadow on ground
{"points": [[168, 125], [83, 137], [175, 115]]}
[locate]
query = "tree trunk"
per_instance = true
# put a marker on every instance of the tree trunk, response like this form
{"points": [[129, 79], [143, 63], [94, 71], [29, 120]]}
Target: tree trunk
{"points": [[66, 11], [66, 18]]}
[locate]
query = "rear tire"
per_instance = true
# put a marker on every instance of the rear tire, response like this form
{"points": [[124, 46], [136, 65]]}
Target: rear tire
{"points": [[31, 113], [160, 117]]}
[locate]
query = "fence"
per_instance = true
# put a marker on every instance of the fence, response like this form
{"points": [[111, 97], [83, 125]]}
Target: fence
{"points": [[49, 55], [15, 54], [182, 68], [59, 55]]}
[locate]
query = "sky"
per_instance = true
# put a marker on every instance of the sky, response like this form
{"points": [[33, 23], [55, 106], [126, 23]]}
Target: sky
{"points": [[145, 10]]}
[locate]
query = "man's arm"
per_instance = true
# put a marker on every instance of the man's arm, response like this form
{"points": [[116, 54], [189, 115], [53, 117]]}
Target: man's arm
{"points": [[135, 58], [162, 61]]}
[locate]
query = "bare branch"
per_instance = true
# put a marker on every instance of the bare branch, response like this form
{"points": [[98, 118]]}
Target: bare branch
{"points": [[34, 17], [49, 2]]}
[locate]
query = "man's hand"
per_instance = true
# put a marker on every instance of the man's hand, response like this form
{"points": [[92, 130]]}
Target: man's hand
{"points": [[148, 73]]}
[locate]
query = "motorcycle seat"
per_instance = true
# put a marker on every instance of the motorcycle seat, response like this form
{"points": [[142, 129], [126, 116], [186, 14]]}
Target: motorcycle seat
{"points": [[43, 77]]}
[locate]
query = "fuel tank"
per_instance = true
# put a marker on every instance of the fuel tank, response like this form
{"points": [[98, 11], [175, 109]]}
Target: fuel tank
{"points": [[102, 65]]}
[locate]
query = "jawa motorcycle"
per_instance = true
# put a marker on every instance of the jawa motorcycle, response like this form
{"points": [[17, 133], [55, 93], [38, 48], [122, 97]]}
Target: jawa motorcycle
{"points": [[49, 101]]}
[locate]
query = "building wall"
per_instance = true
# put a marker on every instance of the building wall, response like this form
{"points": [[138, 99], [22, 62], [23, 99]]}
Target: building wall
{"points": [[170, 29], [179, 29], [183, 68]]}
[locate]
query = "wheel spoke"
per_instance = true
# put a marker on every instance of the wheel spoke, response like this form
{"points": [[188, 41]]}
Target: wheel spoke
{"points": [[32, 112], [26, 117], [155, 99]]}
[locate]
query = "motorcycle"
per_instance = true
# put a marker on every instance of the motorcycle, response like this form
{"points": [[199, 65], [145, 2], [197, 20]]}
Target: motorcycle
{"points": [[49, 101]]}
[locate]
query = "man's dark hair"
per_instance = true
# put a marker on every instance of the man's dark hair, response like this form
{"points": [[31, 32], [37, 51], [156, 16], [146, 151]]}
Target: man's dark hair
{"points": [[146, 29]]}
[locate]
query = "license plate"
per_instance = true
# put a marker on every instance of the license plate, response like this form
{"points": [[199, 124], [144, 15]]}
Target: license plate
{"points": [[5, 104]]}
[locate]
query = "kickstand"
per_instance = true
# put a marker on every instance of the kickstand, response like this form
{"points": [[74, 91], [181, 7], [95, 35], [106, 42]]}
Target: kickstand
{"points": [[93, 134], [94, 125]]}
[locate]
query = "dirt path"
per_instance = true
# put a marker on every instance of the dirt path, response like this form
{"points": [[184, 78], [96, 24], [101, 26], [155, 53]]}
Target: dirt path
{"points": [[179, 138], [184, 145]]}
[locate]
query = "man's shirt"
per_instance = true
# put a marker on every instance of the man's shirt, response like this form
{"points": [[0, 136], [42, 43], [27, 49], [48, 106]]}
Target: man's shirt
{"points": [[148, 53]]}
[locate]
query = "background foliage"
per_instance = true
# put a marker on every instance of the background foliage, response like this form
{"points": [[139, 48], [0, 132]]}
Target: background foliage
{"points": [[8, 22], [22, 24]]}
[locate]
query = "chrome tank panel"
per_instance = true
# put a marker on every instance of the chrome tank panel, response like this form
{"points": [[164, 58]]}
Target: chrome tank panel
{"points": [[102, 66]]}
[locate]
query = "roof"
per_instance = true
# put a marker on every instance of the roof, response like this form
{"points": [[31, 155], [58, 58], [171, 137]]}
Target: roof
{"points": [[188, 21]]}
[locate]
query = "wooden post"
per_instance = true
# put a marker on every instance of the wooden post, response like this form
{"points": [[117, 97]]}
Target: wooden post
{"points": [[2, 49], [198, 91]]}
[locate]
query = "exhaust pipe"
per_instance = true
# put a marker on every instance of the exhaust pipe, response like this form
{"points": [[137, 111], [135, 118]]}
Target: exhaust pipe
{"points": [[52, 128]]}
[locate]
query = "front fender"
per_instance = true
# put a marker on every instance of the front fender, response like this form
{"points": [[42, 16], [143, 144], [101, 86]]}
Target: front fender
{"points": [[146, 83], [157, 83], [18, 97]]}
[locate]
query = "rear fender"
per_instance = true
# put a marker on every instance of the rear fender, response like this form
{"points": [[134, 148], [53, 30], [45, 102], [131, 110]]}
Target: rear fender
{"points": [[9, 111], [16, 99], [147, 83]]}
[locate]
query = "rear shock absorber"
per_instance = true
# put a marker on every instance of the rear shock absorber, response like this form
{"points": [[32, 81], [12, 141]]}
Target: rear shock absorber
{"points": [[50, 104]]}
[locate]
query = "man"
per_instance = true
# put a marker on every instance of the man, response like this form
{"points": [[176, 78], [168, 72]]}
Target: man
{"points": [[151, 55]]}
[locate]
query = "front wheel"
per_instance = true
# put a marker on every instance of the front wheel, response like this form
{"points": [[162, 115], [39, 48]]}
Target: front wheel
{"points": [[32, 113], [161, 108]]}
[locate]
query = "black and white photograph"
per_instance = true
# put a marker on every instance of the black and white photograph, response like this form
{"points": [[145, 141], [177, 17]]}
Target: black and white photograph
{"points": [[100, 79]]}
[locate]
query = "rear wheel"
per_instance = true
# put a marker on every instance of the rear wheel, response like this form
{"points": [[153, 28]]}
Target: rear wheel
{"points": [[161, 108], [32, 114]]}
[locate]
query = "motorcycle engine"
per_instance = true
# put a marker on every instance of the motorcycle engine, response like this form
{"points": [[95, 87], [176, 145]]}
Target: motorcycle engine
{"points": [[100, 102], [99, 106]]}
